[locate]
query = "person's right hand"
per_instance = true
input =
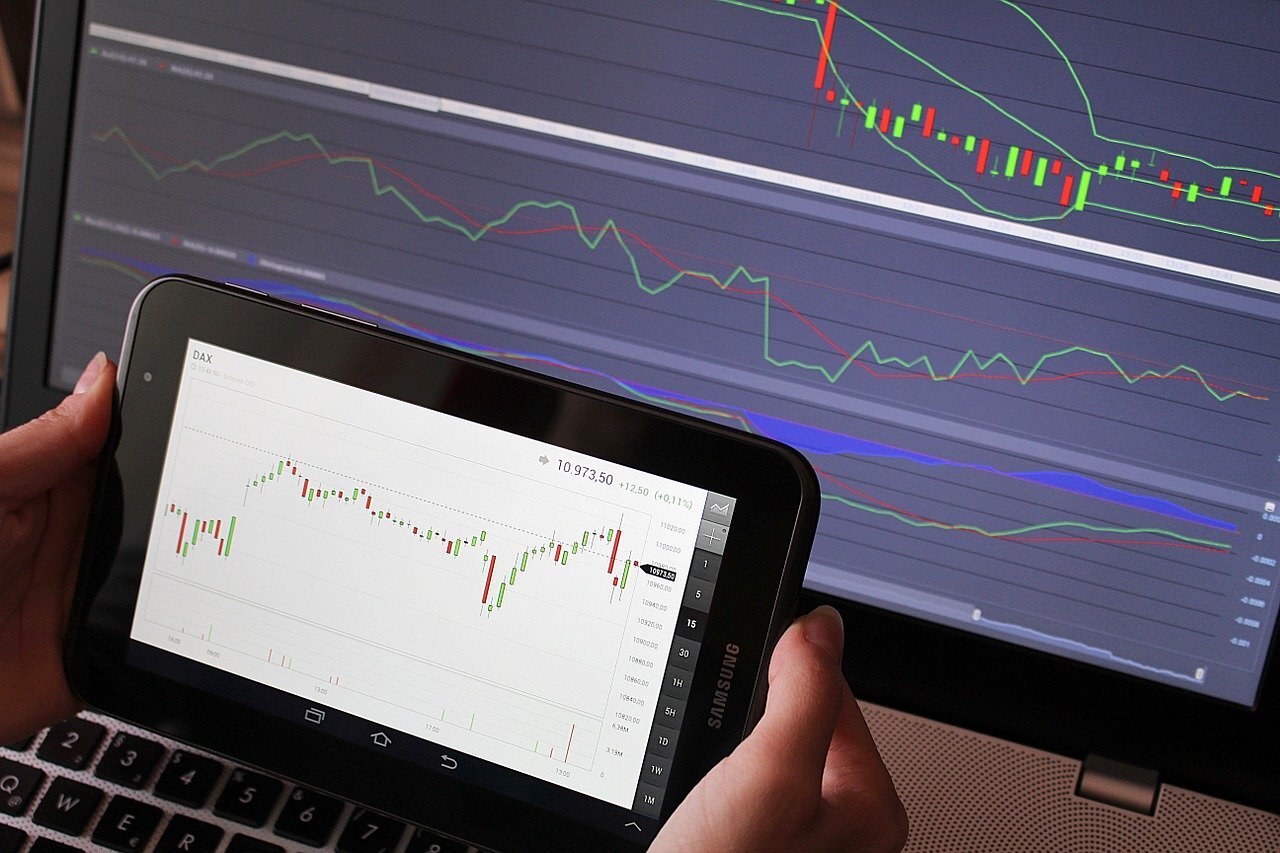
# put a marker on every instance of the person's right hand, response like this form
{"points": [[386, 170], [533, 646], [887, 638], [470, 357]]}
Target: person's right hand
{"points": [[808, 777]]}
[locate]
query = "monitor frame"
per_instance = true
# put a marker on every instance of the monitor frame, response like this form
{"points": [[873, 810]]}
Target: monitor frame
{"points": [[921, 667]]}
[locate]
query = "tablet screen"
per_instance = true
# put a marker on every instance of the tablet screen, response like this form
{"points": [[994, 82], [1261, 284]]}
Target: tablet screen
{"points": [[485, 598]]}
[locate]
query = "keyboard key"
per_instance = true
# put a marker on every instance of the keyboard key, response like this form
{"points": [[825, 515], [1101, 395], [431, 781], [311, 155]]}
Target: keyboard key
{"points": [[246, 844], [426, 841], [129, 760], [48, 845], [369, 832], [308, 817], [188, 835], [248, 797], [20, 746], [18, 784], [188, 779], [126, 825], [11, 839], [71, 743], [67, 806]]}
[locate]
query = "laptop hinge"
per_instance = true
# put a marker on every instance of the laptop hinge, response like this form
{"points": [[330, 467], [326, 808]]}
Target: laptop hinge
{"points": [[1118, 784]]}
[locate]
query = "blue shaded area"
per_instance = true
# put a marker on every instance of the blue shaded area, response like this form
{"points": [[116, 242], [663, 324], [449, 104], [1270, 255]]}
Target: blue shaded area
{"points": [[810, 439], [824, 442]]}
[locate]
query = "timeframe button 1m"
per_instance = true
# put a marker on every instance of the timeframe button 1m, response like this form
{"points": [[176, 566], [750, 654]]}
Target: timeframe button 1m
{"points": [[648, 799]]}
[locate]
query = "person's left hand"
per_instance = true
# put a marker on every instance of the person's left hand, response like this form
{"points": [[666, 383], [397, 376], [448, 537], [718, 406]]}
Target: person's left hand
{"points": [[47, 471]]}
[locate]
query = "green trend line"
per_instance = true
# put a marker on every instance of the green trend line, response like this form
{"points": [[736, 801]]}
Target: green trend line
{"points": [[611, 230], [985, 364], [1067, 154], [1021, 531]]}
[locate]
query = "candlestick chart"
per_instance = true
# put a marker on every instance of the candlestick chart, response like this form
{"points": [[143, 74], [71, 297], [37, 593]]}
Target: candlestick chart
{"points": [[369, 569], [1143, 172], [358, 499]]}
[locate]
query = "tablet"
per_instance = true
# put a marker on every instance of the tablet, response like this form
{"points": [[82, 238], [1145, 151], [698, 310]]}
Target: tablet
{"points": [[515, 610]]}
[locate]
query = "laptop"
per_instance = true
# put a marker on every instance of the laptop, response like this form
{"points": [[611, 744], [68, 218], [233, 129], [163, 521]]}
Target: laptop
{"points": [[1008, 273]]}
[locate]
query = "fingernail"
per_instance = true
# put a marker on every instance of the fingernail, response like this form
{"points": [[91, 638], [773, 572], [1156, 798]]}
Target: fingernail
{"points": [[91, 373], [825, 629]]}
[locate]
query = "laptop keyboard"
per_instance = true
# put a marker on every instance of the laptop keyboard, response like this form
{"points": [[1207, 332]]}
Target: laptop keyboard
{"points": [[92, 782]]}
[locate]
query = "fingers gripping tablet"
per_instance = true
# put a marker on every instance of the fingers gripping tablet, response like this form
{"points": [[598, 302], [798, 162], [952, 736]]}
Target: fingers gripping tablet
{"points": [[359, 559]]}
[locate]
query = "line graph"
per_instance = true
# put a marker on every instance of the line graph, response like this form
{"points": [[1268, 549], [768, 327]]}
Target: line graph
{"points": [[1020, 534], [754, 285], [814, 441], [1134, 164]]}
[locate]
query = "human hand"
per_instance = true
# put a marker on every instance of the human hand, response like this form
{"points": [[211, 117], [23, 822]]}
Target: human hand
{"points": [[809, 776], [47, 471]]}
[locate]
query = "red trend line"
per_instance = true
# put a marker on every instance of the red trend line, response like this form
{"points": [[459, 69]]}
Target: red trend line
{"points": [[663, 258], [908, 305], [1019, 538], [825, 56]]}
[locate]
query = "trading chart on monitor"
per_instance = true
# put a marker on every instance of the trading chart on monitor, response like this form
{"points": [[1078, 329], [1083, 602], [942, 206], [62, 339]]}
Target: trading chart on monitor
{"points": [[1006, 272]]}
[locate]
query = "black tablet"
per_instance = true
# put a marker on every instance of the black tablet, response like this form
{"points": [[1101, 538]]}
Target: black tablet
{"points": [[472, 597]]}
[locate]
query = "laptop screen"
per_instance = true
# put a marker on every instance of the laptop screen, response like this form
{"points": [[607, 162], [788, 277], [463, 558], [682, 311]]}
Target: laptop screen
{"points": [[1005, 272]]}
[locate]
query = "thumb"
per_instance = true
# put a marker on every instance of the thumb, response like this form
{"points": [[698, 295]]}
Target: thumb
{"points": [[43, 452], [806, 688]]}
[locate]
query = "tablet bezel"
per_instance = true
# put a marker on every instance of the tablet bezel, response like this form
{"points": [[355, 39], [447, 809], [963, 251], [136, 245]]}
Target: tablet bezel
{"points": [[991, 686], [774, 516]]}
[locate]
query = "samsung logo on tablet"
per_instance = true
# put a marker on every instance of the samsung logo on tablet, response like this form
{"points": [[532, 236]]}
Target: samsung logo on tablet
{"points": [[728, 664]]}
